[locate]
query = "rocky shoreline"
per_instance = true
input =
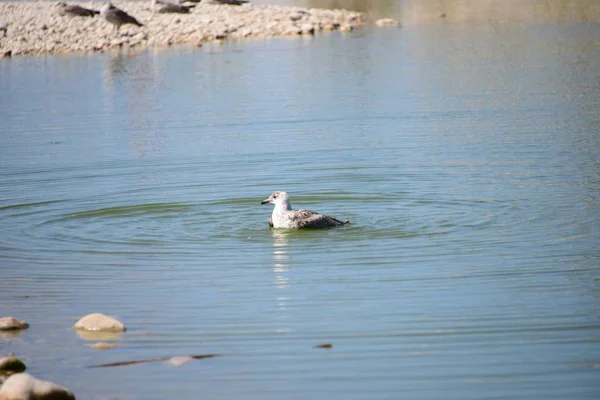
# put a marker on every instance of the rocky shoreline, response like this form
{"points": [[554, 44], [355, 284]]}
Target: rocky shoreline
{"points": [[38, 28], [17, 384]]}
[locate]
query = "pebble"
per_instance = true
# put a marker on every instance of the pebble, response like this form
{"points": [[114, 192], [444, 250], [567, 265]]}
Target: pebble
{"points": [[97, 322], [23, 386], [11, 323], [37, 27]]}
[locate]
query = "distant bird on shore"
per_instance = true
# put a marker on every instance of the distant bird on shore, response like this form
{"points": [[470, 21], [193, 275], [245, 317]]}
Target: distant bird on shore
{"points": [[3, 28], [117, 17], [164, 7], [287, 218], [230, 2], [75, 10]]}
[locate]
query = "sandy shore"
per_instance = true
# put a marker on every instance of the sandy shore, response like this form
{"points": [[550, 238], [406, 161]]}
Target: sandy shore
{"points": [[37, 27]]}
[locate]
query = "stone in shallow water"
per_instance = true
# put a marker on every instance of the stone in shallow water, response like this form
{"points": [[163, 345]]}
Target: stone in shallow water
{"points": [[103, 346], [99, 322], [179, 360], [346, 28], [11, 323], [387, 22], [25, 387], [11, 365]]}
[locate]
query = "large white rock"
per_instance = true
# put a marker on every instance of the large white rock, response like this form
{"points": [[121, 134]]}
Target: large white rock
{"points": [[25, 387], [99, 322]]}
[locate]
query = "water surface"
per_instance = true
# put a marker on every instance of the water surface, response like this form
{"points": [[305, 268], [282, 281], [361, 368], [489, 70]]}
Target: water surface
{"points": [[466, 157]]}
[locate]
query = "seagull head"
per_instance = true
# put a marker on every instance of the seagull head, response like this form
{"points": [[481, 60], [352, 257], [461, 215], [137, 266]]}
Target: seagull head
{"points": [[107, 6], [278, 199]]}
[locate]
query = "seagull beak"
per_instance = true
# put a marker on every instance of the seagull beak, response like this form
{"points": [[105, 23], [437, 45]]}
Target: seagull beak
{"points": [[267, 201]]}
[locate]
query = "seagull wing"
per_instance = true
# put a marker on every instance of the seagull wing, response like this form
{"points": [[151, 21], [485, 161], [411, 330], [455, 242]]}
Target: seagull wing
{"points": [[312, 219], [232, 2], [79, 11], [124, 18], [167, 8]]}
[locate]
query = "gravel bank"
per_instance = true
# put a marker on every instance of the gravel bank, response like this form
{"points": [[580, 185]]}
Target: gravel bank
{"points": [[37, 27]]}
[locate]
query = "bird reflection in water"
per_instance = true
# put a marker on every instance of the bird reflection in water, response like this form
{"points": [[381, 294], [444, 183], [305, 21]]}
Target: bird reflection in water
{"points": [[281, 268], [133, 78]]}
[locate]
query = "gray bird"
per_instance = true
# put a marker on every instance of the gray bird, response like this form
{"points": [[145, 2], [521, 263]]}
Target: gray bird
{"points": [[3, 28], [164, 7], [285, 217], [231, 2], [117, 17], [75, 10]]}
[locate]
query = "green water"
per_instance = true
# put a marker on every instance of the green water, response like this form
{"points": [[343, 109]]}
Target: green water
{"points": [[466, 157]]}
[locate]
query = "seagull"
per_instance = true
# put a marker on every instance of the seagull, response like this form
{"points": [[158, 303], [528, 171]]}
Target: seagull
{"points": [[230, 2], [285, 217], [75, 10], [165, 7], [117, 17]]}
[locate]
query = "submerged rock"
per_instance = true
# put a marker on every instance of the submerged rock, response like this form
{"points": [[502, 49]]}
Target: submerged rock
{"points": [[387, 22], [103, 346], [11, 365], [25, 387], [97, 322], [11, 323], [179, 360]]}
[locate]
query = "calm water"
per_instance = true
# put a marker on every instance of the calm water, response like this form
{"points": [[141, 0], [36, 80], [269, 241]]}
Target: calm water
{"points": [[466, 156]]}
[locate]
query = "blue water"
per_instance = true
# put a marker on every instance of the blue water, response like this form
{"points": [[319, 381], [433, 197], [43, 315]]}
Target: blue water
{"points": [[465, 155]]}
